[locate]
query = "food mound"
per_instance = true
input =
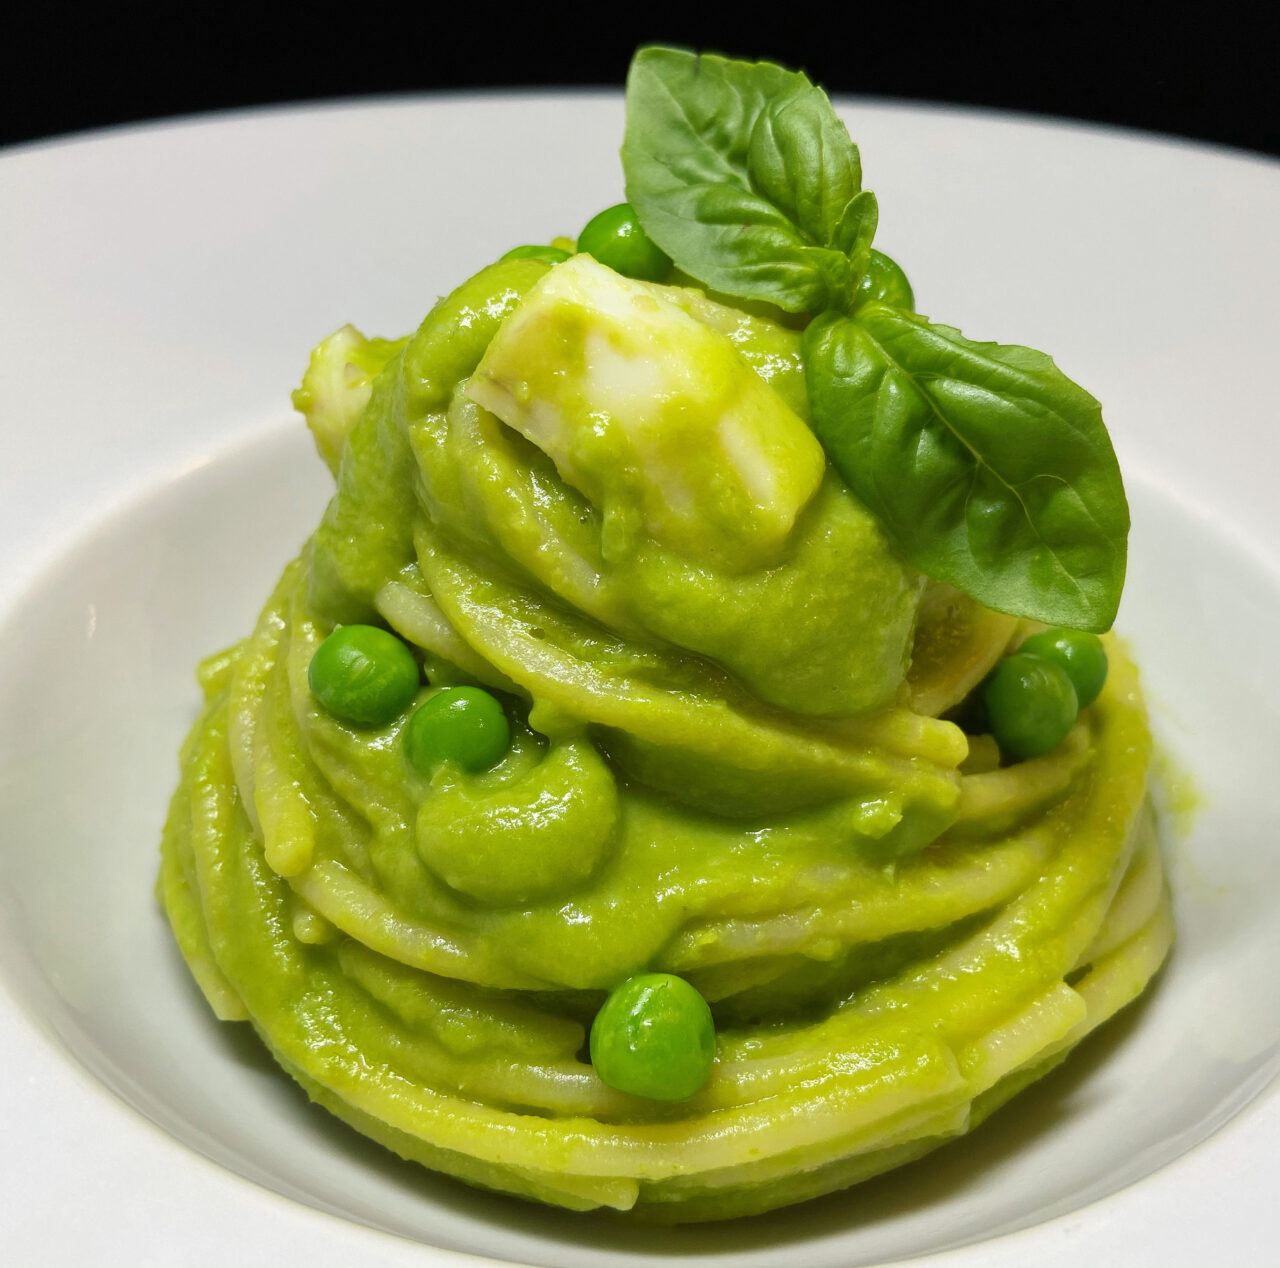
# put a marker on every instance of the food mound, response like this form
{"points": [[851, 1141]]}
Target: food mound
{"points": [[608, 808]]}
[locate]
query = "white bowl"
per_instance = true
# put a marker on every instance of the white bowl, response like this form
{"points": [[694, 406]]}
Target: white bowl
{"points": [[166, 285]]}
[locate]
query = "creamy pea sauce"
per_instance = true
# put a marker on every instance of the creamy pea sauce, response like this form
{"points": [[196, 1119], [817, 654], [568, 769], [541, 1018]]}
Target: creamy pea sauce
{"points": [[730, 760]]}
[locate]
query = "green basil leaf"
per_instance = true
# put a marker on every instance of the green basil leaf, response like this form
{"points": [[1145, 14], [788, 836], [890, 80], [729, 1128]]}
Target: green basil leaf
{"points": [[742, 173], [856, 228], [989, 468], [884, 282], [800, 159]]}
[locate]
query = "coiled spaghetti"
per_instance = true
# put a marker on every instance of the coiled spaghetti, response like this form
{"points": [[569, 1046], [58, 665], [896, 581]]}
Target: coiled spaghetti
{"points": [[895, 933]]}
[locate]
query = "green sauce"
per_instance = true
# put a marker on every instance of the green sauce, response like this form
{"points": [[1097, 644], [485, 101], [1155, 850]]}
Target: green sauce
{"points": [[726, 763]]}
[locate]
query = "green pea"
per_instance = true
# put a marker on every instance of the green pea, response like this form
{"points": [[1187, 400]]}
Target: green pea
{"points": [[459, 724], [654, 1037], [1031, 705], [363, 675], [884, 282], [615, 239], [550, 255], [1080, 654]]}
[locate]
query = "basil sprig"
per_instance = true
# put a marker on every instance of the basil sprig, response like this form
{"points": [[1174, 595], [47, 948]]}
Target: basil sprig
{"points": [[987, 466], [743, 170]]}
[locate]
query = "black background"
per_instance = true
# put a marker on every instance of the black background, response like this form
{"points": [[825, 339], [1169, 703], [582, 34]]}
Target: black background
{"points": [[1208, 73]]}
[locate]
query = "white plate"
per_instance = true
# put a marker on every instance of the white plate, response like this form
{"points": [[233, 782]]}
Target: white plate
{"points": [[159, 290]]}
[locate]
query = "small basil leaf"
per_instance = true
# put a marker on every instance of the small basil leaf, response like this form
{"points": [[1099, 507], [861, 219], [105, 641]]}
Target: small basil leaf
{"points": [[884, 282], [989, 468], [855, 229], [717, 159], [801, 159]]}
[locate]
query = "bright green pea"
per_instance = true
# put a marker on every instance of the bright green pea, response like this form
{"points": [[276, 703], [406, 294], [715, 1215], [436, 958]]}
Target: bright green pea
{"points": [[363, 675], [884, 282], [1031, 705], [654, 1037], [548, 254], [615, 239], [459, 724], [1080, 654]]}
